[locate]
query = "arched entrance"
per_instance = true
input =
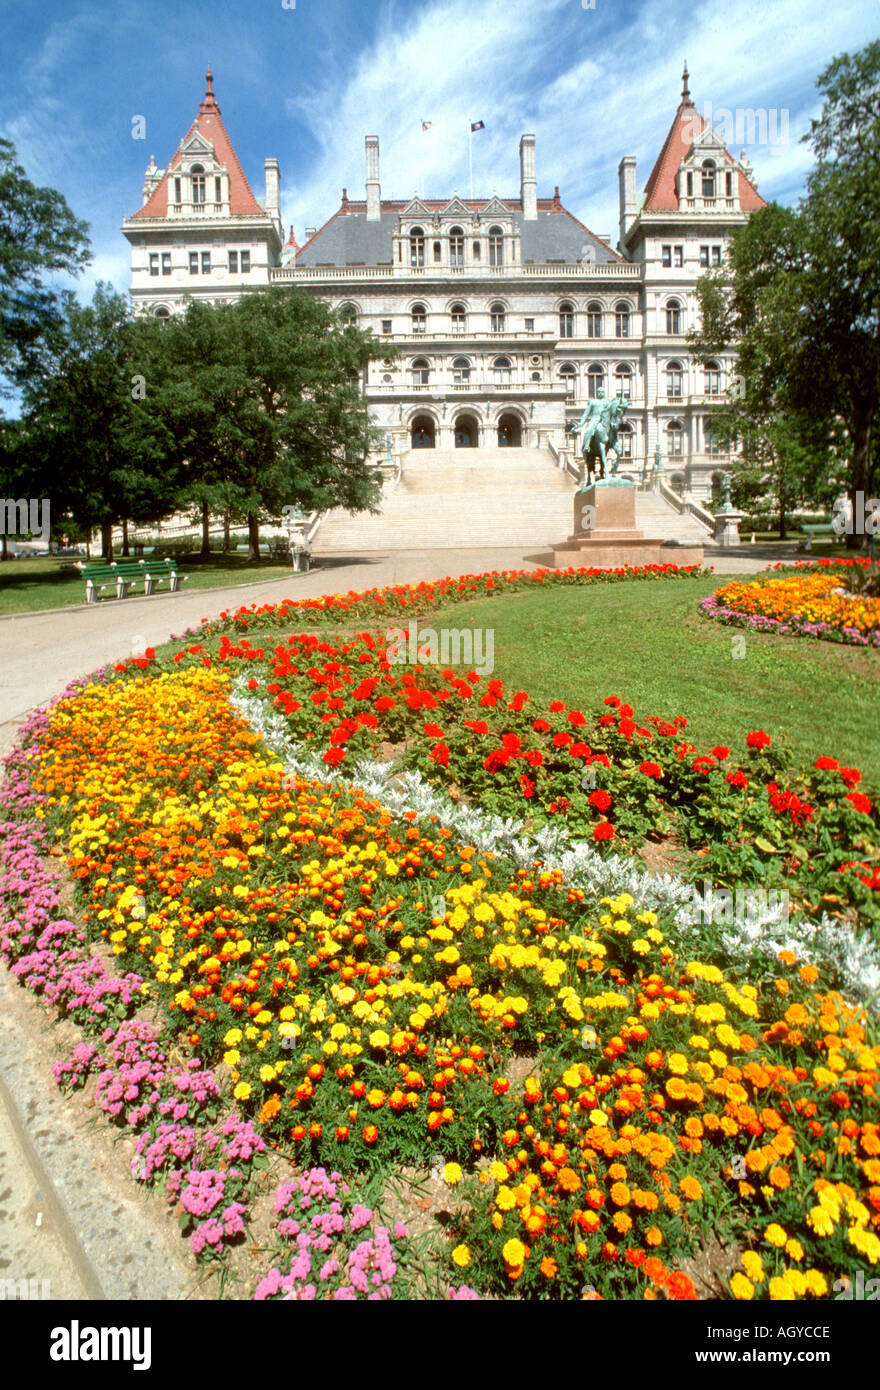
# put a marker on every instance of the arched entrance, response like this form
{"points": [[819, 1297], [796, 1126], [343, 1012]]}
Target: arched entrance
{"points": [[423, 432], [510, 432], [467, 432]]}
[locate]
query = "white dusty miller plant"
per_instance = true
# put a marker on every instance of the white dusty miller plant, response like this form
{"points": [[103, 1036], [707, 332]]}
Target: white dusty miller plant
{"points": [[763, 932]]}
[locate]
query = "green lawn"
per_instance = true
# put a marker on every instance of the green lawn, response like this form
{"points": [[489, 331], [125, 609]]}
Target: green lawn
{"points": [[28, 585], [647, 643]]}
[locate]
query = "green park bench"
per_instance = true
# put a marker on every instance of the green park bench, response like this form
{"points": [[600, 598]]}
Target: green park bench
{"points": [[824, 530], [123, 573]]}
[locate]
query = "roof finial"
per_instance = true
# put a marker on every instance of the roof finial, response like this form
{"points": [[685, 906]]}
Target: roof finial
{"points": [[210, 102], [685, 90]]}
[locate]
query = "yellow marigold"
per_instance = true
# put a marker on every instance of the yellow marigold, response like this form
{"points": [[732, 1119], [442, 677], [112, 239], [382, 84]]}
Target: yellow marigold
{"points": [[753, 1266], [677, 1063], [452, 1174], [514, 1252], [781, 1290], [498, 1171], [242, 1090], [820, 1221], [690, 1188], [741, 1287], [794, 1250], [504, 1199], [775, 1235], [653, 1236], [461, 1256], [620, 1194]]}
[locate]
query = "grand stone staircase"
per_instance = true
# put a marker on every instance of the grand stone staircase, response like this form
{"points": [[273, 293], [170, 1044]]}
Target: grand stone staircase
{"points": [[657, 517], [483, 498], [461, 498]]}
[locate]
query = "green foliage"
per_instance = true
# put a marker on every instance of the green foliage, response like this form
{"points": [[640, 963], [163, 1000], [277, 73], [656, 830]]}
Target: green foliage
{"points": [[38, 234]]}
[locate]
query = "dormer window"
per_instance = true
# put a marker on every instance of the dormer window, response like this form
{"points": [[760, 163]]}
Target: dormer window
{"points": [[456, 247], [218, 191], [198, 184], [177, 191], [708, 179], [728, 184], [417, 247], [496, 246], [690, 185]]}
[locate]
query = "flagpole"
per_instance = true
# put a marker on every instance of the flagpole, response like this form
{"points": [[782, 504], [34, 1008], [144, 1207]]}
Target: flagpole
{"points": [[471, 155]]}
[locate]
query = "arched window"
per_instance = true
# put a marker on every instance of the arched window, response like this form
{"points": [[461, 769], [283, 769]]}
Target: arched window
{"points": [[625, 440], [535, 376], [423, 432], [594, 319], [595, 379], [623, 380], [417, 247], [622, 319], [419, 318], [421, 371], [198, 184], [459, 318], [566, 320], [568, 373], [498, 317], [456, 247], [496, 246], [348, 315], [713, 446], [510, 432], [467, 432], [162, 313], [461, 371], [501, 371], [673, 380], [708, 179], [712, 379], [675, 439], [673, 317]]}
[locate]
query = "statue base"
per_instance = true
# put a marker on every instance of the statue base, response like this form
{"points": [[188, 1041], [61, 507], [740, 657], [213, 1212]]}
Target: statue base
{"points": [[606, 536]]}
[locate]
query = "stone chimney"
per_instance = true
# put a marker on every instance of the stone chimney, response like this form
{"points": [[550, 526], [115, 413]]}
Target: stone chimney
{"points": [[528, 187], [310, 232], [626, 174], [373, 191], [273, 192]]}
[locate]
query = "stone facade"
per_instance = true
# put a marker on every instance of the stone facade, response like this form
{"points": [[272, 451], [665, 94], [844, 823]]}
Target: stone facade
{"points": [[508, 314]]}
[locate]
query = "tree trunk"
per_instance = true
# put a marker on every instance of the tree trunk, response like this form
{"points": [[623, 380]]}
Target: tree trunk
{"points": [[227, 523], [253, 526], [860, 479], [107, 541], [782, 516], [206, 532], [4, 553], [125, 553]]}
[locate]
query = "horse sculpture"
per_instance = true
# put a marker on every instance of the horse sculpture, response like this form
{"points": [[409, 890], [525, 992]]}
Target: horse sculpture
{"points": [[598, 429]]}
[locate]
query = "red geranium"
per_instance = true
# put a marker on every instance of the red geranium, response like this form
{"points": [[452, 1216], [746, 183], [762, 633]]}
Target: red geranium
{"points": [[651, 769], [826, 764], [603, 831], [757, 739], [600, 800], [440, 754], [860, 801]]}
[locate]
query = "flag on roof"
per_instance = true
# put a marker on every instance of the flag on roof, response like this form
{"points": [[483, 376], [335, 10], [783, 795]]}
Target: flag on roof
{"points": [[478, 125], [426, 125]]}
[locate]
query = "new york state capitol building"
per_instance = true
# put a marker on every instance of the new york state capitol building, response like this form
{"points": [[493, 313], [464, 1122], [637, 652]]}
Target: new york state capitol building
{"points": [[508, 312]]}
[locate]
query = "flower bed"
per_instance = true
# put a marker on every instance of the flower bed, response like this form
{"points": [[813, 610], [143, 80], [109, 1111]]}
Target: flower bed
{"points": [[376, 992], [805, 599]]}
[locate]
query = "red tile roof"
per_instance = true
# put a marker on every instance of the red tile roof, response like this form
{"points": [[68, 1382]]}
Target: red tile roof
{"points": [[660, 195], [209, 124]]}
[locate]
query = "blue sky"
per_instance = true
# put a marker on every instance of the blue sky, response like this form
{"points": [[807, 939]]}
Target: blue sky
{"points": [[306, 84]]}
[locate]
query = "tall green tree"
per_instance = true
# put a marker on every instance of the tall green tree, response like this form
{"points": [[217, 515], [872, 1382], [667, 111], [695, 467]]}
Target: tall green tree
{"points": [[800, 303], [38, 235], [263, 400], [94, 444]]}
